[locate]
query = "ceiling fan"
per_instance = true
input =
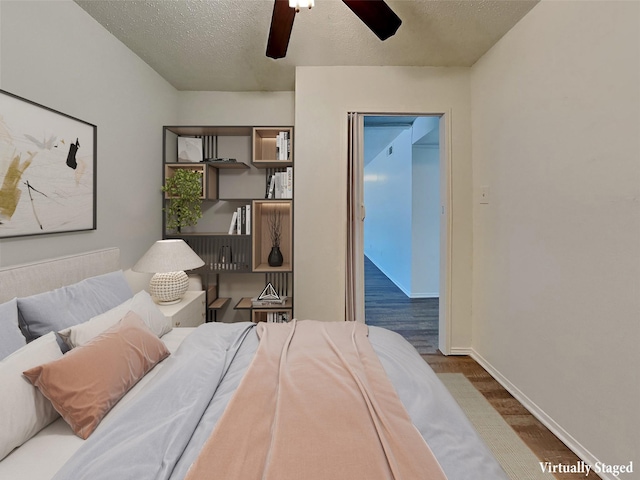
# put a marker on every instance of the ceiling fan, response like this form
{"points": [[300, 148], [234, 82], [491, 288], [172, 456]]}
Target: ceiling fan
{"points": [[375, 14]]}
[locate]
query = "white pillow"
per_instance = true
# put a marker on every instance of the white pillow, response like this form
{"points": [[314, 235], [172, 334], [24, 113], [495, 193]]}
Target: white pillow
{"points": [[11, 338], [24, 411], [141, 303]]}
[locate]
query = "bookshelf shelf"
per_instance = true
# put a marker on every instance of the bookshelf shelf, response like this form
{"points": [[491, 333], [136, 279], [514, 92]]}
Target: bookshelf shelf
{"points": [[219, 303], [228, 165], [265, 214], [261, 314], [246, 304], [272, 147], [209, 177], [272, 164]]}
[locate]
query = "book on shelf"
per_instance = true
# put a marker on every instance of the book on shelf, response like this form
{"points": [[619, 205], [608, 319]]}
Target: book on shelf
{"points": [[279, 146], [257, 302], [234, 222], [241, 221], [248, 219], [283, 146], [277, 191], [272, 187], [289, 188], [277, 317], [267, 191], [283, 184]]}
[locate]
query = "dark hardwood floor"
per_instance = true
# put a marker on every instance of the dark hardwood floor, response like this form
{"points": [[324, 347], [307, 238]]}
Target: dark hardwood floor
{"points": [[417, 321]]}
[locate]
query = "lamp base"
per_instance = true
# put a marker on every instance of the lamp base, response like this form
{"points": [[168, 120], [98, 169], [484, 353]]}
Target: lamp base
{"points": [[169, 287], [172, 302]]}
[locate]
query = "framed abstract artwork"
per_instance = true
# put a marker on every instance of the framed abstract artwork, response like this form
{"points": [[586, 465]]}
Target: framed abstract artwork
{"points": [[189, 149], [47, 170]]}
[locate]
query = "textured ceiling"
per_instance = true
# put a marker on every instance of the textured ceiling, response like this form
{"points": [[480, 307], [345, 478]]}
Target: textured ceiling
{"points": [[220, 44]]}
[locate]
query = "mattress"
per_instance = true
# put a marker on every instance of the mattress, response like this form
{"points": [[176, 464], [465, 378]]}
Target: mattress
{"points": [[440, 421]]}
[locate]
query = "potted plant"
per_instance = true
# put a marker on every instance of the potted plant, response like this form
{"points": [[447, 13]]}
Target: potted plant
{"points": [[184, 190], [274, 220]]}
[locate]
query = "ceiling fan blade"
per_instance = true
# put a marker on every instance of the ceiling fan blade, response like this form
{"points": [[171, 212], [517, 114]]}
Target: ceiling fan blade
{"points": [[280, 31], [376, 15]]}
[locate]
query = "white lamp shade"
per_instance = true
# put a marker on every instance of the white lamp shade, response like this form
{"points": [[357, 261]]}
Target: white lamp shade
{"points": [[168, 256]]}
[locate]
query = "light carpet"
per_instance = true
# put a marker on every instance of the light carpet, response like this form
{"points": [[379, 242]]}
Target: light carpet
{"points": [[517, 460]]}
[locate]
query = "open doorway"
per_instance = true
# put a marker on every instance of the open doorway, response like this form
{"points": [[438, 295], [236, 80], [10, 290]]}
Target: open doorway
{"points": [[356, 214], [401, 179]]}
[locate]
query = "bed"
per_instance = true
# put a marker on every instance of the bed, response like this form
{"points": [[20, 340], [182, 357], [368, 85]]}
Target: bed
{"points": [[161, 424]]}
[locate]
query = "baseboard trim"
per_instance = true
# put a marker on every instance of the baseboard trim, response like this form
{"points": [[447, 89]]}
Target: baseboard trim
{"points": [[425, 295], [564, 436], [461, 351]]}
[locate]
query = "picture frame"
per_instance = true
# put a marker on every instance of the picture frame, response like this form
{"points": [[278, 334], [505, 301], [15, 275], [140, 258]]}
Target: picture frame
{"points": [[47, 170], [190, 149]]}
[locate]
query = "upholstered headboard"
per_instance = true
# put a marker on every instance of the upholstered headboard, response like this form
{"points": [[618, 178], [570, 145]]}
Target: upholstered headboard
{"points": [[37, 277]]}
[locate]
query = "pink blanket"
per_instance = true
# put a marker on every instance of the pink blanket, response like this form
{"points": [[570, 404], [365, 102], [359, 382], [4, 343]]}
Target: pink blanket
{"points": [[315, 404]]}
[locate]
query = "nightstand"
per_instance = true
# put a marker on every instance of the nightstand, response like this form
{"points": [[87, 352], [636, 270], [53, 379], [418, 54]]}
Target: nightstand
{"points": [[189, 312]]}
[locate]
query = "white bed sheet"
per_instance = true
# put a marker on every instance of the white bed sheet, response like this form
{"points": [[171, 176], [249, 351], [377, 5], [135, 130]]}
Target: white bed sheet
{"points": [[44, 454]]}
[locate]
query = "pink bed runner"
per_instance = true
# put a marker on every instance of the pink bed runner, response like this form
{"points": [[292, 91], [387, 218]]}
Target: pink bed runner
{"points": [[315, 404]]}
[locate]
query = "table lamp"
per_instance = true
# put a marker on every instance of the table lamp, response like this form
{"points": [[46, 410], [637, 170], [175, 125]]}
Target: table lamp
{"points": [[167, 260]]}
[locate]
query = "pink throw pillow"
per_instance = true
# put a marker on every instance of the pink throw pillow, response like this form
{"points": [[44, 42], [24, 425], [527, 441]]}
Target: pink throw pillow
{"points": [[89, 380]]}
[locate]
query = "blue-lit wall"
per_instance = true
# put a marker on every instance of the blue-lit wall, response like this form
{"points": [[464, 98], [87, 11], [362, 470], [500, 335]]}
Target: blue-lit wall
{"points": [[402, 200]]}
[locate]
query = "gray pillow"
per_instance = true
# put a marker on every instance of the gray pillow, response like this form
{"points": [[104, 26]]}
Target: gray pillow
{"points": [[67, 306], [11, 339]]}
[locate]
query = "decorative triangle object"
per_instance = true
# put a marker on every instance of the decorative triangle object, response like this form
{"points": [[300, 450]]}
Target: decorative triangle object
{"points": [[269, 293]]}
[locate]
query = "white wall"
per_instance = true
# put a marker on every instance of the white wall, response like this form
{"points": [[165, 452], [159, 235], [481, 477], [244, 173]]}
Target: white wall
{"points": [[236, 108], [377, 137], [323, 97], [402, 224], [556, 264], [425, 232], [55, 54], [388, 200]]}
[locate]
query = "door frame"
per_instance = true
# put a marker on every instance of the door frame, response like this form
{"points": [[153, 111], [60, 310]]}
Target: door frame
{"points": [[445, 300]]}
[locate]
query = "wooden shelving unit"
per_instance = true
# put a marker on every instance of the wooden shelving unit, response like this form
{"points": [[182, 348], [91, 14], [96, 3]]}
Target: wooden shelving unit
{"points": [[264, 212], [209, 177], [265, 152], [259, 314], [236, 265], [209, 172]]}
